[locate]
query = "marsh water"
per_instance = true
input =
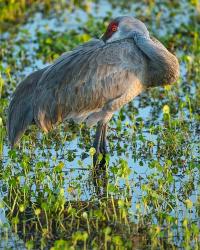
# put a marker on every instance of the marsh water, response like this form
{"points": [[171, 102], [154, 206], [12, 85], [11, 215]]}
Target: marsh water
{"points": [[148, 195]]}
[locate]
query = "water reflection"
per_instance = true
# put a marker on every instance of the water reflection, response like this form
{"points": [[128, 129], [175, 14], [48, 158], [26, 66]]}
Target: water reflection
{"points": [[38, 225], [136, 135]]}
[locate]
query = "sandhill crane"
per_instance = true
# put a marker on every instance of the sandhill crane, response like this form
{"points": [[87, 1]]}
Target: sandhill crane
{"points": [[93, 81]]}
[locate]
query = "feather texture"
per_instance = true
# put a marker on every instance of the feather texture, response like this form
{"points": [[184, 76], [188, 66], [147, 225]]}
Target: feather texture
{"points": [[20, 111], [93, 81], [85, 80]]}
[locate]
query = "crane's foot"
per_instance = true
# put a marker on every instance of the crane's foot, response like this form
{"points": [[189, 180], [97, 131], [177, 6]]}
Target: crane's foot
{"points": [[100, 144]]}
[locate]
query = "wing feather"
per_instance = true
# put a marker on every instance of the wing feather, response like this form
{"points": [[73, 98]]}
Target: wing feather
{"points": [[85, 79]]}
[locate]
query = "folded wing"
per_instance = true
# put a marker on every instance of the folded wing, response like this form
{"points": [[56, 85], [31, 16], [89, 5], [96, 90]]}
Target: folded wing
{"points": [[85, 79]]}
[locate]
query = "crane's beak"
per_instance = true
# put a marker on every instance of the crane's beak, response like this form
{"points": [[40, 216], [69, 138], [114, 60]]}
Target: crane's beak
{"points": [[103, 37]]}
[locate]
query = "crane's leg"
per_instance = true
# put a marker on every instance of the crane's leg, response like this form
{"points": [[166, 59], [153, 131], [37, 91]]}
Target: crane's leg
{"points": [[100, 143], [103, 145]]}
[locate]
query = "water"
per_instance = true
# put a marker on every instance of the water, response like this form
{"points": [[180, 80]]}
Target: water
{"points": [[168, 21]]}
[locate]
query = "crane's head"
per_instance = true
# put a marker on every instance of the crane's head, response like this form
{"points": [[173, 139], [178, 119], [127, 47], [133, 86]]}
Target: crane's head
{"points": [[124, 27]]}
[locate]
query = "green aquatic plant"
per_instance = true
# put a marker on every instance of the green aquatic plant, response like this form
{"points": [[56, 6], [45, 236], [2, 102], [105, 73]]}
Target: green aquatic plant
{"points": [[147, 196]]}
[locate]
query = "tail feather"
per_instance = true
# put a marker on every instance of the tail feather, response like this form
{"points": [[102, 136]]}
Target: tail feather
{"points": [[20, 111]]}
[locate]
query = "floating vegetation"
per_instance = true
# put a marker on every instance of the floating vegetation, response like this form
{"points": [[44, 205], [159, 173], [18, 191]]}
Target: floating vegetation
{"points": [[147, 197]]}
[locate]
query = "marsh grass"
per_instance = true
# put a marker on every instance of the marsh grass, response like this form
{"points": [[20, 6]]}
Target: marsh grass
{"points": [[147, 197]]}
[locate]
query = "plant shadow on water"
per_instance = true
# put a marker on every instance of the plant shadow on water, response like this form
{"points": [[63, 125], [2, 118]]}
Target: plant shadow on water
{"points": [[147, 197]]}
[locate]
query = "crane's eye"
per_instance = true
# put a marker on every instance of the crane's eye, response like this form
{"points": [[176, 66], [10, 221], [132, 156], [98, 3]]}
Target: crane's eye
{"points": [[114, 28]]}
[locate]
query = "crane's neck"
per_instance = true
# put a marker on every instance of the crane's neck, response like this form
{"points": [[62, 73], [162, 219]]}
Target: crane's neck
{"points": [[162, 66]]}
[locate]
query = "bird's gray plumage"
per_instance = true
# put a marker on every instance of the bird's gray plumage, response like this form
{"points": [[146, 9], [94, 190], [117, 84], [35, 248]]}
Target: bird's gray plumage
{"points": [[92, 77], [20, 112], [93, 81]]}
